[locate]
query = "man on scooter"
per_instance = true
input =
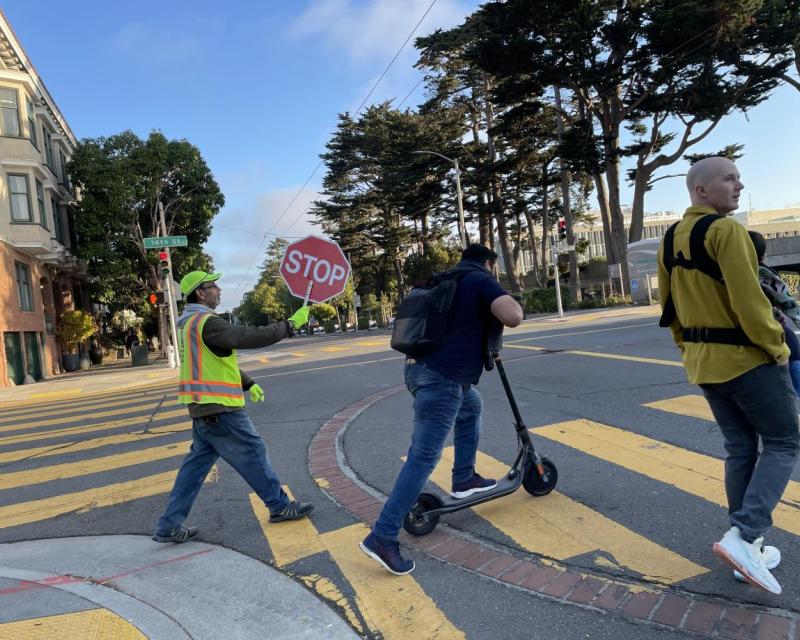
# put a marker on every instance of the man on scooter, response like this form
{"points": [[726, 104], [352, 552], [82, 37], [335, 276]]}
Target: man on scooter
{"points": [[442, 385]]}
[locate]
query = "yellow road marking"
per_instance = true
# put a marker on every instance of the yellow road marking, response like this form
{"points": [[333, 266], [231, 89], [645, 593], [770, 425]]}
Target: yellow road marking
{"points": [[396, 606], [373, 343], [82, 501], [40, 413], [559, 527], [263, 360], [141, 407], [330, 366], [329, 591], [692, 405], [57, 433], [93, 443], [94, 465], [289, 541], [694, 473], [522, 346], [26, 402], [335, 349], [56, 395], [614, 356], [97, 624], [299, 354]]}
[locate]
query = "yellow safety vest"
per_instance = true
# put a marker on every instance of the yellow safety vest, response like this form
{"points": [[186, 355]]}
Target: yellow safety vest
{"points": [[205, 378]]}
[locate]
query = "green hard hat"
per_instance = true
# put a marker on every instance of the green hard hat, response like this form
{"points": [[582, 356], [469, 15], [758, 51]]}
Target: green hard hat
{"points": [[194, 279]]}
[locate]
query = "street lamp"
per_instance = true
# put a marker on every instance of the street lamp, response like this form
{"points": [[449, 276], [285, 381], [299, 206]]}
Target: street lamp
{"points": [[462, 229]]}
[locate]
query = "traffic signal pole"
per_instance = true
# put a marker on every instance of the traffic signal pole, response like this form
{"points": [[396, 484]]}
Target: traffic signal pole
{"points": [[166, 285], [557, 282]]}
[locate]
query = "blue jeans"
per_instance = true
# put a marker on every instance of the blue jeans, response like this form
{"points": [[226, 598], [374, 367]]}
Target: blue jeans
{"points": [[757, 405], [439, 405], [232, 437], [794, 359]]}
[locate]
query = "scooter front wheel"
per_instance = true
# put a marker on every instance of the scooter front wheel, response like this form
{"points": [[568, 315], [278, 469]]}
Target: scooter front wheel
{"points": [[418, 522], [540, 484]]}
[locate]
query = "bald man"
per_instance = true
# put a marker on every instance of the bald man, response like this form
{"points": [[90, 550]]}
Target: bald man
{"points": [[734, 349]]}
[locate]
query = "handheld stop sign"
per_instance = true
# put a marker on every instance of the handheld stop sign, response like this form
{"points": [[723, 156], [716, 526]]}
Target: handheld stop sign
{"points": [[315, 269]]}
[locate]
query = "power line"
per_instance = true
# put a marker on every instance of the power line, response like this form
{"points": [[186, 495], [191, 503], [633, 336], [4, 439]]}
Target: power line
{"points": [[403, 101]]}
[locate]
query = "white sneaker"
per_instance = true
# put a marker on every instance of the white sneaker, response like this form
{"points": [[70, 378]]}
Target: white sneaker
{"points": [[772, 558], [748, 559]]}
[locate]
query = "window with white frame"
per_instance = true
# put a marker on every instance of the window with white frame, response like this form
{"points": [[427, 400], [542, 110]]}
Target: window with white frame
{"points": [[40, 201], [20, 198], [31, 122], [9, 112], [24, 286], [58, 225]]}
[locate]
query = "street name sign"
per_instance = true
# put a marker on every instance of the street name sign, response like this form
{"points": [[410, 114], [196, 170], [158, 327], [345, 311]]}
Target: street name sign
{"points": [[316, 268], [165, 241]]}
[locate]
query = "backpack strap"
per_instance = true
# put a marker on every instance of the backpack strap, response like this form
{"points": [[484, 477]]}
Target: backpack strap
{"points": [[700, 260]]}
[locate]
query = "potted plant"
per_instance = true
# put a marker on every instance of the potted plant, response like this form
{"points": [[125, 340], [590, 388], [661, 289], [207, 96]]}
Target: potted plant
{"points": [[74, 328]]}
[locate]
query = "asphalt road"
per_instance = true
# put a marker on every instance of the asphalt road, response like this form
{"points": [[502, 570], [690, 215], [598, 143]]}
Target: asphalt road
{"points": [[625, 515]]}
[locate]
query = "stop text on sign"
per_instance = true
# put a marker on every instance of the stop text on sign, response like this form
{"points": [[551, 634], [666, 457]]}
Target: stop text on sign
{"points": [[317, 263], [320, 270]]}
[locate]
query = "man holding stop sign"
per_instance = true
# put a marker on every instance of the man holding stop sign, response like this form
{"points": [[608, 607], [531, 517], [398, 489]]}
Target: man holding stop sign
{"points": [[315, 269]]}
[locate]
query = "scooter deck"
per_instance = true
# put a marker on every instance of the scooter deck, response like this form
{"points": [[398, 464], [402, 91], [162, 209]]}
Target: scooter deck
{"points": [[505, 485]]}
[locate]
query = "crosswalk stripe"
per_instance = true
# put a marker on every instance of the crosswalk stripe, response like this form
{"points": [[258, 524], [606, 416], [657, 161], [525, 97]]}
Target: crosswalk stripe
{"points": [[93, 443], [70, 399], [93, 465], [289, 541], [41, 413], [115, 424], [396, 606], [145, 407], [692, 405], [694, 473], [82, 501], [559, 527]]}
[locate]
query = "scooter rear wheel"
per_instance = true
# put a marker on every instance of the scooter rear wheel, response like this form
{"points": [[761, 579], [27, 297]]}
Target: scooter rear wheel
{"points": [[417, 521], [537, 485]]}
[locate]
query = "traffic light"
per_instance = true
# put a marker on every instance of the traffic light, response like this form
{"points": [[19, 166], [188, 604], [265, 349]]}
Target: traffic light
{"points": [[163, 258], [562, 229], [157, 297]]}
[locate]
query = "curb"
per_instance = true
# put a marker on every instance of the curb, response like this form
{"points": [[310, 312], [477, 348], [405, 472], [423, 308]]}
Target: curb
{"points": [[641, 603]]}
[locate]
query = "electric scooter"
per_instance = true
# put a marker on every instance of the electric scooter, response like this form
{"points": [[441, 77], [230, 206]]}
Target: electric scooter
{"points": [[537, 474]]}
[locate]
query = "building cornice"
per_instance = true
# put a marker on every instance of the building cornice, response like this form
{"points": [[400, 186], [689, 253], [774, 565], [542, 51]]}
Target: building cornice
{"points": [[11, 49]]}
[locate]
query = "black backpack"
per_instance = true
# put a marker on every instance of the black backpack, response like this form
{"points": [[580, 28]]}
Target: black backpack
{"points": [[420, 325]]}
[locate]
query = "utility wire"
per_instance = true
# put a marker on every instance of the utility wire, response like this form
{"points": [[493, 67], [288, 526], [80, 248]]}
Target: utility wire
{"points": [[319, 164]]}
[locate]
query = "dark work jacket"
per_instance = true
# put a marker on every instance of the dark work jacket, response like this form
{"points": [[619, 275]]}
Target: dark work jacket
{"points": [[221, 337]]}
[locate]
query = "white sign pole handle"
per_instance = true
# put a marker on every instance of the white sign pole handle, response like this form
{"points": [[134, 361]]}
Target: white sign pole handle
{"points": [[308, 292]]}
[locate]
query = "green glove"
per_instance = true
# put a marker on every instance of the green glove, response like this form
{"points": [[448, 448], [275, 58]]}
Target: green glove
{"points": [[300, 317], [256, 393]]}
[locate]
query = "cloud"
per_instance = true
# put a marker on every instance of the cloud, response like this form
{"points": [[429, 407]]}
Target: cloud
{"points": [[376, 28], [156, 43], [239, 238]]}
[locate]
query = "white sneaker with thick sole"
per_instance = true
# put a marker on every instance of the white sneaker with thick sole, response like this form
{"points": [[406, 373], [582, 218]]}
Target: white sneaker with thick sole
{"points": [[748, 559], [772, 558]]}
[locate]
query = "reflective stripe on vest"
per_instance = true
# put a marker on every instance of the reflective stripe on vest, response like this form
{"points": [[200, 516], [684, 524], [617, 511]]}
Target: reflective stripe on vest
{"points": [[205, 377]]}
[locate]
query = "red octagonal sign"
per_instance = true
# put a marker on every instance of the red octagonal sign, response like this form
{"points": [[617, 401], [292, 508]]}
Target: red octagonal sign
{"points": [[318, 263]]}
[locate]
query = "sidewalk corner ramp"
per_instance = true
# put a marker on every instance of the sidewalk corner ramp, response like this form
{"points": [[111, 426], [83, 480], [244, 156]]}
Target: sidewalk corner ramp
{"points": [[128, 586]]}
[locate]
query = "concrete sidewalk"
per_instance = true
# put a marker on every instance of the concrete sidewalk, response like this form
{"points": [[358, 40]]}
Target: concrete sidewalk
{"points": [[129, 587]]}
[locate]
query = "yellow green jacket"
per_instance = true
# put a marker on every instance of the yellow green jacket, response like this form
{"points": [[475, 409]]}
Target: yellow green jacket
{"points": [[701, 301]]}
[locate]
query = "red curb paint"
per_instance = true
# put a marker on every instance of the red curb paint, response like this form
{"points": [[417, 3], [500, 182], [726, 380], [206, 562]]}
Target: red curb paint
{"points": [[519, 573], [703, 617], [586, 591], [737, 624], [641, 605], [671, 610], [772, 628]]}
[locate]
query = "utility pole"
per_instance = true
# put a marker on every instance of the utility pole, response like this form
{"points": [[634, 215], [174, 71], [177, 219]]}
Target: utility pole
{"points": [[556, 280], [462, 226], [166, 285]]}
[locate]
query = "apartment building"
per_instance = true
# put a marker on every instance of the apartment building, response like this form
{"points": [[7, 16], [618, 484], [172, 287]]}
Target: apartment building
{"points": [[39, 275]]}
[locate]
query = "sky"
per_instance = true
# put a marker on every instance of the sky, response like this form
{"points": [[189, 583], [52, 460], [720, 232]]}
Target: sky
{"points": [[257, 86]]}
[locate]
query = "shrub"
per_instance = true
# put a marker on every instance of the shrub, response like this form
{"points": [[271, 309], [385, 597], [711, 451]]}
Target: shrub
{"points": [[74, 328], [544, 300]]}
